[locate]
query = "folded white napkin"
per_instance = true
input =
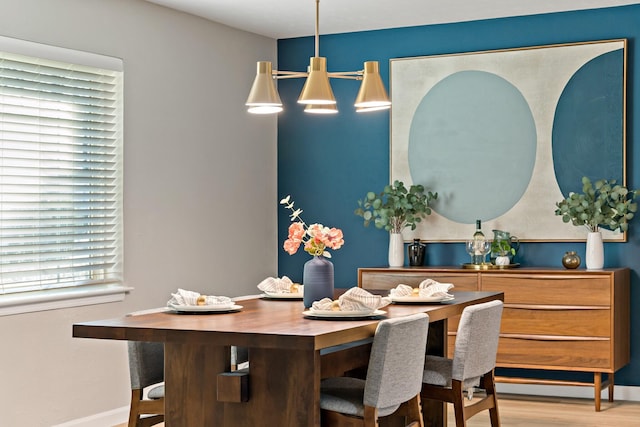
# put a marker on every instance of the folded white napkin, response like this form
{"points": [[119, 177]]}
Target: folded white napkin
{"points": [[427, 288], [183, 297], [355, 299], [277, 285]]}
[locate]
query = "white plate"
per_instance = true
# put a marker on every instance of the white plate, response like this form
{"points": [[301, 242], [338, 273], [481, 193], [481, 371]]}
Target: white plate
{"points": [[418, 300], [204, 308], [342, 314], [282, 295]]}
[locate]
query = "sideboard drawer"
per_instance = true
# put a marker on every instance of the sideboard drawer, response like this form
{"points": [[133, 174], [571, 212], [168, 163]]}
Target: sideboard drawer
{"points": [[556, 321], [561, 290], [586, 355]]}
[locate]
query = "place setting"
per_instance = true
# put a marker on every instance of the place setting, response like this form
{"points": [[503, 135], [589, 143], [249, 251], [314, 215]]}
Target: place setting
{"points": [[354, 304], [428, 292], [190, 302], [281, 288]]}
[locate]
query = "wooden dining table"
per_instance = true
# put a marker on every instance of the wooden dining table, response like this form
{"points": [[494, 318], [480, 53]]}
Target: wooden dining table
{"points": [[289, 354]]}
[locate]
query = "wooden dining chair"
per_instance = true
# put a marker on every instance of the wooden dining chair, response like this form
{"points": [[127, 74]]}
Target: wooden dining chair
{"points": [[473, 364], [146, 370], [393, 379]]}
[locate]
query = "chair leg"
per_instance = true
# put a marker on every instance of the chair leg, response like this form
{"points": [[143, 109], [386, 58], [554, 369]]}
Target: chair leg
{"points": [[414, 412], [370, 418], [410, 412], [458, 403], [490, 388], [140, 406], [455, 395], [134, 409]]}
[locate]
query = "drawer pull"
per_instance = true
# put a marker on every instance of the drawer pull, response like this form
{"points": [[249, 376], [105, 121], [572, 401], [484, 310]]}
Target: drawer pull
{"points": [[562, 277], [552, 337], [557, 307]]}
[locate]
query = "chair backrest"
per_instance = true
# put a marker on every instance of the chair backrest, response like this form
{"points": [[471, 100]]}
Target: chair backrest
{"points": [[146, 363], [477, 341], [397, 360]]}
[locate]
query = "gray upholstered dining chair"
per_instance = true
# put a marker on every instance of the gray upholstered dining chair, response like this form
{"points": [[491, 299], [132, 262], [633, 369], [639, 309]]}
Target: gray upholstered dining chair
{"points": [[146, 369], [473, 364], [393, 380]]}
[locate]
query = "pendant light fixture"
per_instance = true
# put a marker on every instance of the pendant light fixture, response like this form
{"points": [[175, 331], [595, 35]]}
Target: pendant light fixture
{"points": [[316, 95]]}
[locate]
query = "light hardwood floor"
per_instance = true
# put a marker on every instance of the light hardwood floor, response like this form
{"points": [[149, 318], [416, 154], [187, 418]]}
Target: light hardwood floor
{"points": [[533, 411]]}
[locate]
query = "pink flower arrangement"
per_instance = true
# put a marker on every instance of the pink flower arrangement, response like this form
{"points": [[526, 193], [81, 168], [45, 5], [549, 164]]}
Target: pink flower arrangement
{"points": [[316, 238]]}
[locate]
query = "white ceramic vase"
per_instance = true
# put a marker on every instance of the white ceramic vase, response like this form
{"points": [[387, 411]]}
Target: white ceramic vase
{"points": [[594, 257], [396, 250]]}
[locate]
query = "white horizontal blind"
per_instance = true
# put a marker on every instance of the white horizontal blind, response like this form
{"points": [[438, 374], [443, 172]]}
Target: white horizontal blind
{"points": [[60, 174]]}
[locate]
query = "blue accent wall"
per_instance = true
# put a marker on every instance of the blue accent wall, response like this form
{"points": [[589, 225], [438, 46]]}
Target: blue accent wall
{"points": [[327, 163]]}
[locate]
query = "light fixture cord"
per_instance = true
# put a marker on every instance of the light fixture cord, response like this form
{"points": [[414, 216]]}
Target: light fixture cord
{"points": [[317, 28]]}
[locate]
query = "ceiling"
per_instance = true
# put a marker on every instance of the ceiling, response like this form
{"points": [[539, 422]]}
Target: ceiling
{"points": [[280, 19]]}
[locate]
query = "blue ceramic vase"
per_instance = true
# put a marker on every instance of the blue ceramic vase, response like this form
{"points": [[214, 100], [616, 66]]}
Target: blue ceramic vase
{"points": [[317, 278]]}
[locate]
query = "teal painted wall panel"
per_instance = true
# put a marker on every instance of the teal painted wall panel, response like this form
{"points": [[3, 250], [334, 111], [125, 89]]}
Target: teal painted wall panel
{"points": [[327, 163]]}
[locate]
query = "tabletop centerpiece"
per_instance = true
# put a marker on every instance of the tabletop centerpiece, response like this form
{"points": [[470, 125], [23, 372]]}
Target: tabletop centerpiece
{"points": [[603, 204], [317, 275], [394, 209]]}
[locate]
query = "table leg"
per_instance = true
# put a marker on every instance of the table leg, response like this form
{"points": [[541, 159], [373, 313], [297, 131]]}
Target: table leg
{"points": [[434, 413], [190, 384], [284, 390]]}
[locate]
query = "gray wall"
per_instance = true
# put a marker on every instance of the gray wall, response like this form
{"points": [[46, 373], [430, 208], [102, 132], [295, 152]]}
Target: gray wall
{"points": [[200, 191]]}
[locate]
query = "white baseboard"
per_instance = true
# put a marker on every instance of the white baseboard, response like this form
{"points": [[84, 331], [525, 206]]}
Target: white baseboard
{"points": [[619, 392], [104, 419]]}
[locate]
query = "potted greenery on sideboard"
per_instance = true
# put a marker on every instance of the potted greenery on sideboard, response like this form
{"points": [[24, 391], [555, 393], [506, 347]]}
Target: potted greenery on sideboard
{"points": [[603, 204], [394, 209]]}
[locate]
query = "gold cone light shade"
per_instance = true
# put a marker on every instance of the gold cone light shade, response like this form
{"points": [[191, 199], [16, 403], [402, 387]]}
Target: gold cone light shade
{"points": [[263, 97], [321, 109], [372, 94], [316, 89]]}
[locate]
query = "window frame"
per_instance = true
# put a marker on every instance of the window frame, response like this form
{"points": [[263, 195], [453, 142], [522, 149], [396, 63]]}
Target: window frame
{"points": [[77, 294]]}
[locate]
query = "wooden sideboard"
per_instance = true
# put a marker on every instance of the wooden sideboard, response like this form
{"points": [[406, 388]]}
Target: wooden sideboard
{"points": [[554, 319]]}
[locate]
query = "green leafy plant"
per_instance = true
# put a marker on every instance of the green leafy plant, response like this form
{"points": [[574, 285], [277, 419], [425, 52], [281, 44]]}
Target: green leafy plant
{"points": [[396, 208], [602, 204], [502, 247]]}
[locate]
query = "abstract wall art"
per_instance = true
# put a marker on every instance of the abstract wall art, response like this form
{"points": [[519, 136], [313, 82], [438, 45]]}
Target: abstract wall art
{"points": [[504, 135]]}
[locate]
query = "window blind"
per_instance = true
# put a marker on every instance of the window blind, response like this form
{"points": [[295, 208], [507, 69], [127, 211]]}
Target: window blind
{"points": [[60, 174]]}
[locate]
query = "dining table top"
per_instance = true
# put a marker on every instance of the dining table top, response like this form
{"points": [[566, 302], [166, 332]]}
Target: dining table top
{"points": [[265, 322]]}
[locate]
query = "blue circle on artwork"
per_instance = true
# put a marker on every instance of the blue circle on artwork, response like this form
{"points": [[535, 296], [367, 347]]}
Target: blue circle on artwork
{"points": [[587, 137], [473, 140]]}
